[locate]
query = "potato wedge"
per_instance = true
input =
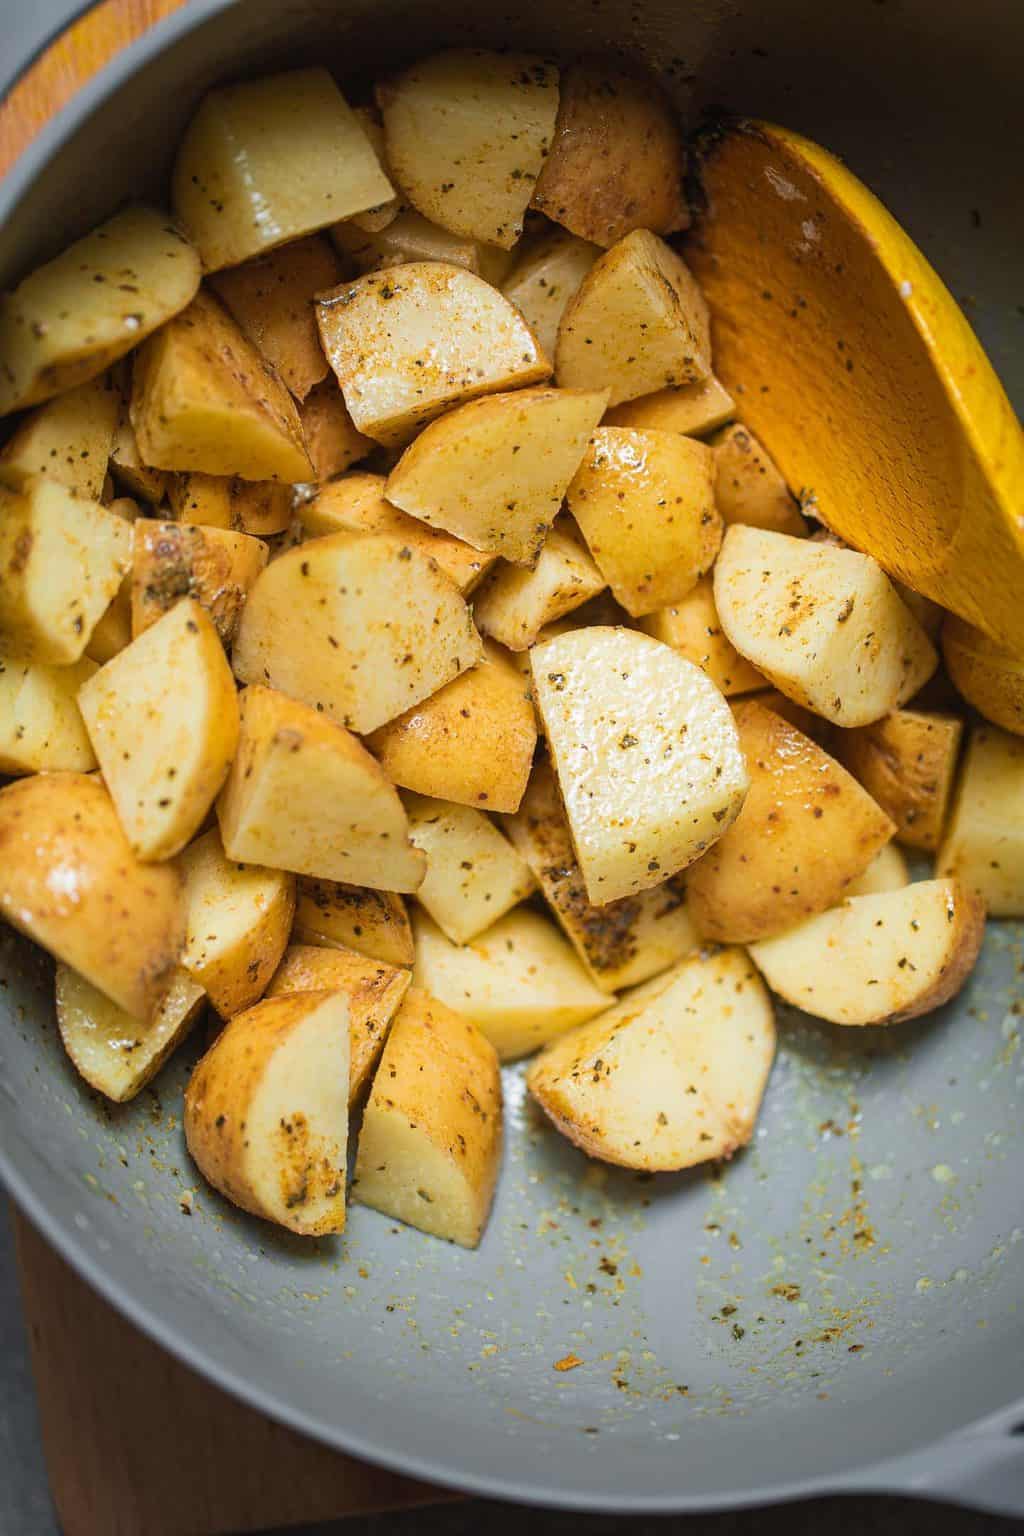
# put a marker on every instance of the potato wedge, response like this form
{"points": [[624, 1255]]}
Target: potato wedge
{"points": [[806, 830], [129, 473], [824, 625], [646, 752], [907, 763], [878, 959], [322, 624], [70, 319], [622, 943], [379, 217], [636, 324], [886, 872], [645, 504], [41, 727], [69, 880], [474, 874], [211, 565], [332, 442], [672, 1076], [518, 981], [466, 133], [430, 1144], [411, 237], [338, 916], [256, 507], [303, 794], [113, 630], [805, 720], [116, 1054], [545, 278], [266, 1111], [749, 487], [204, 399], [407, 345], [616, 163], [987, 675], [62, 559], [69, 439], [984, 843], [517, 602], [693, 409], [691, 626], [268, 160]]}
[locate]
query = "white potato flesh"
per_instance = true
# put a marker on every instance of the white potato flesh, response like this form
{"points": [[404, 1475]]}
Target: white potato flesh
{"points": [[672, 1076], [749, 486], [986, 674], [825, 625], [984, 844], [116, 1054], [373, 219], [887, 872], [646, 752], [545, 278], [68, 439], [332, 442], [113, 629], [495, 471], [127, 469], [692, 627], [411, 237], [517, 602], [41, 726], [474, 874], [335, 915], [690, 408]]}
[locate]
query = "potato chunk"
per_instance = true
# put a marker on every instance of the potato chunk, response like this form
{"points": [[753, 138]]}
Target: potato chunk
{"points": [[748, 486], [116, 1054], [68, 439], [672, 1076], [984, 844], [495, 471], [69, 320], [41, 726], [693, 409], [987, 675], [411, 237], [332, 442], [886, 872], [517, 602], [474, 874], [113, 630], [69, 880], [212, 565], [379, 217], [466, 134], [271, 159], [266, 1111], [256, 507], [336, 915], [645, 505], [407, 344], [907, 762], [646, 752], [878, 959], [637, 323], [128, 471], [691, 626], [322, 624], [545, 278], [430, 1143], [824, 625]]}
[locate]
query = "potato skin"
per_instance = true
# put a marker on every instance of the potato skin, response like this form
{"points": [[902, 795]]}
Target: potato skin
{"points": [[906, 761], [969, 934], [331, 914], [213, 565], [987, 675]]}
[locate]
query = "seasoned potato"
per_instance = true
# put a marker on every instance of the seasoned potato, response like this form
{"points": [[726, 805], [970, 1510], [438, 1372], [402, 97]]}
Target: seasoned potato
{"points": [[517, 602], [411, 237], [689, 408], [257, 507], [174, 560], [116, 1054], [691, 627], [69, 880], [271, 300], [495, 471], [622, 943], [637, 323], [466, 134], [163, 721], [615, 704], [62, 559], [907, 761], [987, 675], [519, 981], [805, 720], [271, 159], [886, 872], [472, 742], [332, 442], [128, 470], [407, 344], [335, 915], [303, 794], [113, 629], [748, 486], [824, 625], [69, 439], [645, 505], [616, 163], [41, 727], [204, 399], [430, 1144], [878, 959], [266, 1111], [322, 623], [545, 278], [806, 830], [984, 844], [379, 217], [474, 875], [69, 320], [672, 1076]]}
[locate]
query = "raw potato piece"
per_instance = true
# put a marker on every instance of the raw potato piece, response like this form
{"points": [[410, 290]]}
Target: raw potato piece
{"points": [[266, 1111], [517, 603], [113, 630], [116, 1054], [72, 318], [407, 344], [879, 959], [204, 399], [824, 625], [810, 724], [806, 830], [411, 237], [173, 560], [271, 159], [116, 921], [691, 627], [637, 323], [69, 440], [362, 626], [886, 872], [749, 488], [257, 507], [907, 762], [303, 794], [466, 134], [430, 1143], [332, 442], [984, 846], [495, 471], [544, 280], [374, 992], [620, 944], [474, 875], [127, 468], [518, 981], [987, 675], [340, 916], [645, 505], [374, 219], [646, 752], [41, 727], [672, 1076], [616, 163], [690, 408]]}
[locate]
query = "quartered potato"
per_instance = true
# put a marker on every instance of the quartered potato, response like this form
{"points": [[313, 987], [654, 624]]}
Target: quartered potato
{"points": [[474, 874], [373, 219], [748, 486], [332, 914], [113, 629], [805, 720], [411, 237], [691, 626], [116, 1054], [879, 959], [257, 507], [987, 675], [517, 602], [693, 409], [887, 872], [907, 762], [41, 726], [213, 566], [545, 278], [332, 442], [69, 439], [127, 469], [984, 843], [673, 1075]]}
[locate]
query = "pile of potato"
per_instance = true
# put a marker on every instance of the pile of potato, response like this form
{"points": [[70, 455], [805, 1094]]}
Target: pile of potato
{"points": [[561, 661]]}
